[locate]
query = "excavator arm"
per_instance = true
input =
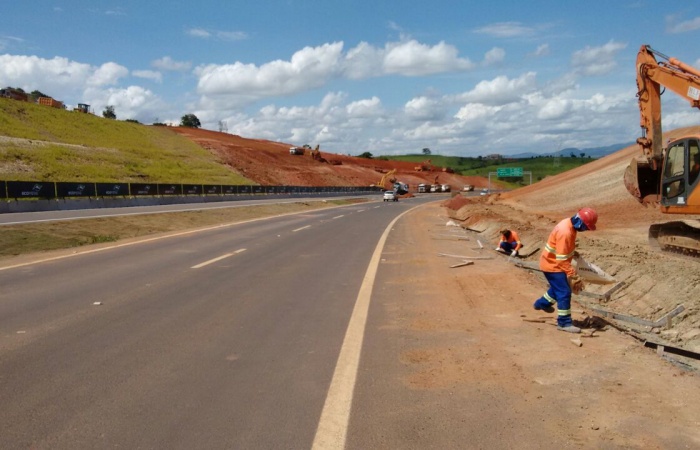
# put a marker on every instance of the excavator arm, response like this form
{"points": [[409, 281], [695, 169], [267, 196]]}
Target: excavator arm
{"points": [[669, 176], [642, 177]]}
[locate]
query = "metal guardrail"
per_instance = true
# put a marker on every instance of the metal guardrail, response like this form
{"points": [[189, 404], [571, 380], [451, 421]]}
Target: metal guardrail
{"points": [[61, 190]]}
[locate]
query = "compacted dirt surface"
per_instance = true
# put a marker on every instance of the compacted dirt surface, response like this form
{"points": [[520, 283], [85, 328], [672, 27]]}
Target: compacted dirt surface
{"points": [[472, 365], [655, 284]]}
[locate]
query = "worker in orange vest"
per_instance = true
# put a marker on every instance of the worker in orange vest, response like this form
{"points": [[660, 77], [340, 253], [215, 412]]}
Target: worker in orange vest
{"points": [[555, 262], [510, 242]]}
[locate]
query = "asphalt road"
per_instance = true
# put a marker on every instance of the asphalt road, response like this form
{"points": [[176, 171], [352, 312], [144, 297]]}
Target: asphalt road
{"points": [[76, 214], [227, 338]]}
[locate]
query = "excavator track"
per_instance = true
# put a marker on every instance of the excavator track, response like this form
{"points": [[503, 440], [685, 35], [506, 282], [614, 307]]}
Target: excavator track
{"points": [[682, 238]]}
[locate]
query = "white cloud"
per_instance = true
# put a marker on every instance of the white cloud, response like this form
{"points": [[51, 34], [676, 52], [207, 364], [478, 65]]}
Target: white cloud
{"points": [[412, 58], [202, 33], [312, 67], [133, 102], [107, 74], [673, 26], [501, 90], [425, 108], [6, 41], [363, 61], [494, 56], [47, 75], [506, 30], [308, 68], [199, 33], [555, 108], [596, 61], [542, 50], [149, 75], [365, 108], [169, 64]]}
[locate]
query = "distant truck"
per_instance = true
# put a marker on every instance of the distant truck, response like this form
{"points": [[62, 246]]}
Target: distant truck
{"points": [[468, 188], [445, 188], [296, 150], [422, 188]]}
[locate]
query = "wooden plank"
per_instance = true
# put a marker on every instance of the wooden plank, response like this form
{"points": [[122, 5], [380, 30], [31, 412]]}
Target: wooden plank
{"points": [[465, 263]]}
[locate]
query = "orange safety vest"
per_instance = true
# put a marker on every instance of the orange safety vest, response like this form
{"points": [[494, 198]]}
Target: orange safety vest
{"points": [[513, 238], [559, 249]]}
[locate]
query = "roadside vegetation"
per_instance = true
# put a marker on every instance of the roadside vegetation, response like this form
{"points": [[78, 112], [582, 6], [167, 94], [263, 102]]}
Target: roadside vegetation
{"points": [[39, 143], [40, 237], [540, 167]]}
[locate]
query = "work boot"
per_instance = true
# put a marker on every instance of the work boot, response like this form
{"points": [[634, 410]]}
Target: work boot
{"points": [[547, 309], [569, 329]]}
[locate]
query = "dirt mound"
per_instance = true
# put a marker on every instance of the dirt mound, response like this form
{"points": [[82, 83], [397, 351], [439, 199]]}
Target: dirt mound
{"points": [[655, 283], [270, 163]]}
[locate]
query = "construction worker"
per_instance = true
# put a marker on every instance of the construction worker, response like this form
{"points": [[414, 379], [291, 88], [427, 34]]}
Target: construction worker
{"points": [[555, 262], [510, 242]]}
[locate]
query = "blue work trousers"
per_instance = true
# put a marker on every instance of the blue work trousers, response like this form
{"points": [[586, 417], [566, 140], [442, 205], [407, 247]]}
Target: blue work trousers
{"points": [[559, 292]]}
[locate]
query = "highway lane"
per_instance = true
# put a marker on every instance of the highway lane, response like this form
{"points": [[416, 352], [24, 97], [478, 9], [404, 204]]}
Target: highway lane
{"points": [[76, 214], [226, 338]]}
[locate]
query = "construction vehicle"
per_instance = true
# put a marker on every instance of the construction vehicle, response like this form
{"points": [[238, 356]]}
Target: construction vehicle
{"points": [[425, 166], [389, 176], [296, 150], [83, 108], [667, 176], [398, 187], [316, 155]]}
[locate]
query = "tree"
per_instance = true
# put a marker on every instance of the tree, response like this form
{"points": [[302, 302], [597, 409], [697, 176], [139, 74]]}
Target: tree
{"points": [[426, 151], [223, 128], [583, 155], [36, 94], [367, 155], [190, 120], [109, 113]]}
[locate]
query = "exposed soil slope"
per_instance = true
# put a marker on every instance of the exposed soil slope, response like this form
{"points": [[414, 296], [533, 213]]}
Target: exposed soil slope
{"points": [[267, 162], [655, 283]]}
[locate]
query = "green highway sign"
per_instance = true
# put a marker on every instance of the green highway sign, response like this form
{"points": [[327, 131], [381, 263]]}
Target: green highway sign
{"points": [[510, 172]]}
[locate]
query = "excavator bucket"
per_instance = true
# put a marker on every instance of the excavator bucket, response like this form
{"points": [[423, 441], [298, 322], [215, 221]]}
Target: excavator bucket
{"points": [[643, 181]]}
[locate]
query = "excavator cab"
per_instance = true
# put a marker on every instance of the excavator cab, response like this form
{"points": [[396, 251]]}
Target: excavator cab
{"points": [[680, 173]]}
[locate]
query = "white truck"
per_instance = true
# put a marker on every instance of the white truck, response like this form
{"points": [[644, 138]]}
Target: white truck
{"points": [[296, 150]]}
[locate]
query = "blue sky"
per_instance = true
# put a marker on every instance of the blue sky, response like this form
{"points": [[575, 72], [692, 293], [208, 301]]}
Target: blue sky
{"points": [[461, 78]]}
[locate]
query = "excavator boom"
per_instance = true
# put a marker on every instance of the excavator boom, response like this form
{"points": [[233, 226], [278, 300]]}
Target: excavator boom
{"points": [[667, 176]]}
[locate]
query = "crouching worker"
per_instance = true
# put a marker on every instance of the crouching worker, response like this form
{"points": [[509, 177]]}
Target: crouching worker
{"points": [[555, 262], [510, 242]]}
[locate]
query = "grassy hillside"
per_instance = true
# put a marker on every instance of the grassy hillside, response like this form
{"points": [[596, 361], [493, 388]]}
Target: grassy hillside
{"points": [[38, 143], [540, 167]]}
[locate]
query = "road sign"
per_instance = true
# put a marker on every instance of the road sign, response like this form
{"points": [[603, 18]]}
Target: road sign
{"points": [[509, 172]]}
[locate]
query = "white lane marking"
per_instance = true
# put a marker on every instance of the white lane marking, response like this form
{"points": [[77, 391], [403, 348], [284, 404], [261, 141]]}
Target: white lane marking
{"points": [[302, 228], [333, 424], [338, 217], [360, 210], [211, 261], [143, 241]]}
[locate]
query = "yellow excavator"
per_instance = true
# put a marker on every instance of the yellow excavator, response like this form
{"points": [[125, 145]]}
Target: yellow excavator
{"points": [[668, 176], [398, 187]]}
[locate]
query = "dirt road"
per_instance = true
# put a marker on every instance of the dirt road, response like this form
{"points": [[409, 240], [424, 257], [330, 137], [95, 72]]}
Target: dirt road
{"points": [[479, 368]]}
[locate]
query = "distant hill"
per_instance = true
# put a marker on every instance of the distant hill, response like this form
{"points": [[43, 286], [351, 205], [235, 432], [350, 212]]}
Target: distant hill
{"points": [[595, 152]]}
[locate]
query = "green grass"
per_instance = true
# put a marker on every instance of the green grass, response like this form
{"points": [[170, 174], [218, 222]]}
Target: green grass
{"points": [[540, 167], [45, 236], [59, 145]]}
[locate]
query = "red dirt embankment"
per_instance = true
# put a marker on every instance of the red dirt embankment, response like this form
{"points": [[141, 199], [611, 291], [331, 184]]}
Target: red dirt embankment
{"points": [[655, 283], [267, 162]]}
